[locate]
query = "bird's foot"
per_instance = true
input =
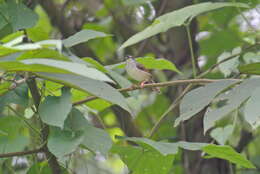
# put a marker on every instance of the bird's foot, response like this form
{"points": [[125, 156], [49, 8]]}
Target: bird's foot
{"points": [[143, 83]]}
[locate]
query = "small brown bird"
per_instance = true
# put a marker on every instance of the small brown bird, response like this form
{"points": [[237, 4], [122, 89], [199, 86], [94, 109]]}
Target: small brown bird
{"points": [[138, 72]]}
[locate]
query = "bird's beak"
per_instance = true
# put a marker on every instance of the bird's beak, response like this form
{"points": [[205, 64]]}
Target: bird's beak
{"points": [[128, 57]]}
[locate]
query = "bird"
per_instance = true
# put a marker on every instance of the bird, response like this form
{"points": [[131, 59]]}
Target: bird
{"points": [[138, 72]]}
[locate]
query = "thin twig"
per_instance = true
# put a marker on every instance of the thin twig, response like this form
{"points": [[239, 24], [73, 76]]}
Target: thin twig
{"points": [[173, 105], [29, 152], [191, 51], [24, 120], [151, 85]]}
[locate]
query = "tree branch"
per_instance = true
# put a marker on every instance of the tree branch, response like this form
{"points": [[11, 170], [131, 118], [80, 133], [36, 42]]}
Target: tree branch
{"points": [[52, 160], [29, 152], [151, 85], [58, 19]]}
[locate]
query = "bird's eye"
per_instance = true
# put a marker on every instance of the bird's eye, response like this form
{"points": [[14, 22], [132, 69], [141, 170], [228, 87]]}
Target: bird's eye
{"points": [[128, 57]]}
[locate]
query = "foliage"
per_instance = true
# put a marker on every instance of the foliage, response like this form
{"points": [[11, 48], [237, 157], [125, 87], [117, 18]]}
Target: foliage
{"points": [[64, 94]]}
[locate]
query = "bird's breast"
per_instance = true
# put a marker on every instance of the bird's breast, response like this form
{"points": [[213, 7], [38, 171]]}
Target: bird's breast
{"points": [[138, 74]]}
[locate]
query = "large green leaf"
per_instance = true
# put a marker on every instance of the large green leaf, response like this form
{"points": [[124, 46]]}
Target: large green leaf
{"points": [[54, 110], [15, 135], [252, 109], [54, 66], [221, 134], [177, 18], [122, 81], [95, 64], [190, 105], [63, 142], [42, 29], [135, 2], [73, 67], [4, 51], [95, 87], [166, 148], [45, 53], [229, 66], [14, 66], [39, 168], [94, 139], [235, 98], [151, 63], [144, 161], [227, 153], [253, 68], [15, 14], [19, 96], [4, 87], [83, 36]]}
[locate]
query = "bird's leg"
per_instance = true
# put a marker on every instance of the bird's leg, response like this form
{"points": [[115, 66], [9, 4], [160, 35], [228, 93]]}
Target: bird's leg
{"points": [[143, 83]]}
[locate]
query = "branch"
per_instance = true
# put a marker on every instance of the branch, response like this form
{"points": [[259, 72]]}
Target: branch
{"points": [[64, 25], [52, 160], [29, 152], [246, 138], [151, 85]]}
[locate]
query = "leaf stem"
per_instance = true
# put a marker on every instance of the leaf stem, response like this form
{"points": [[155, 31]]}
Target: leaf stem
{"points": [[191, 51]]}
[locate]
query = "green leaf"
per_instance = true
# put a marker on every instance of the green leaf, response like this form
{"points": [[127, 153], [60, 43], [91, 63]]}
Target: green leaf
{"points": [[95, 64], [12, 36], [15, 66], [229, 66], [227, 153], [54, 110], [19, 96], [160, 64], [135, 2], [144, 161], [94, 139], [4, 87], [253, 68], [63, 142], [73, 67], [151, 63], [190, 105], [251, 57], [83, 36], [4, 51], [166, 148], [94, 87], [235, 98], [177, 18], [122, 81], [15, 13], [44, 53], [252, 109], [40, 168], [42, 29], [221, 135], [16, 138]]}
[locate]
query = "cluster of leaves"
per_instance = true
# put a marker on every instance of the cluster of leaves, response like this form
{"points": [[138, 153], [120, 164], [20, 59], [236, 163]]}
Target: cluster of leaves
{"points": [[63, 79]]}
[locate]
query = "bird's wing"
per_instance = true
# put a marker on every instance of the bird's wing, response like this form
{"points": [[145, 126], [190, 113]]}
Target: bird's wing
{"points": [[141, 67]]}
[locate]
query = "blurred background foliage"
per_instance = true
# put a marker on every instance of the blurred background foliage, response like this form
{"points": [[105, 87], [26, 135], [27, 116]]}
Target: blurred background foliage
{"points": [[213, 34]]}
